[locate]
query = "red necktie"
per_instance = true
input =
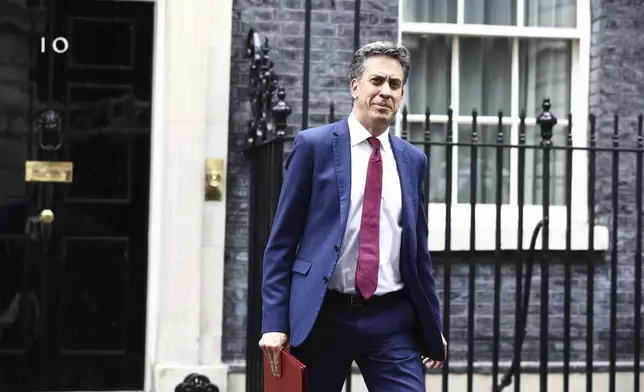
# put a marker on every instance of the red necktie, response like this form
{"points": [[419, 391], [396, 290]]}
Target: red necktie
{"points": [[369, 242]]}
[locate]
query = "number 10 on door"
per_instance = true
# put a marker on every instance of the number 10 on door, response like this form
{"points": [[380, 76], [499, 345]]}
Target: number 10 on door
{"points": [[58, 45]]}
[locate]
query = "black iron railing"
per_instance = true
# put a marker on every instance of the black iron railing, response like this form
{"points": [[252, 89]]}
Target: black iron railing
{"points": [[265, 140]]}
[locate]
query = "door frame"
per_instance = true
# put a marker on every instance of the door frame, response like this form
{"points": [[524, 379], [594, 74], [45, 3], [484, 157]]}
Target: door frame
{"points": [[190, 113], [155, 209]]}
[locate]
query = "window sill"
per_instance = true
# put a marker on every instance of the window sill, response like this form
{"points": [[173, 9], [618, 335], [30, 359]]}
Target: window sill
{"points": [[485, 229]]}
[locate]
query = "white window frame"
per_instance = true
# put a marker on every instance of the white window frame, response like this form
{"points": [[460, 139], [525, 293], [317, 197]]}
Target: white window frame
{"points": [[580, 36]]}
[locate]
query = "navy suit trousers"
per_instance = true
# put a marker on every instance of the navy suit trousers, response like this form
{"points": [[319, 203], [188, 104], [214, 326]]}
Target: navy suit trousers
{"points": [[378, 336]]}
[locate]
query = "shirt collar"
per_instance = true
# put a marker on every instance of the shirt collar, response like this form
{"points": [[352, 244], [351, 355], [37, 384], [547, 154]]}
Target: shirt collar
{"points": [[359, 134]]}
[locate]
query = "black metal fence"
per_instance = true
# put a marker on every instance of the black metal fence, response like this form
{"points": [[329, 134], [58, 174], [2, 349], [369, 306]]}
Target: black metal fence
{"points": [[567, 318]]}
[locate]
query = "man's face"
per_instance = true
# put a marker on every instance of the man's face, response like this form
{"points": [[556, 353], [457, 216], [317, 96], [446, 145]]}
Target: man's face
{"points": [[378, 92]]}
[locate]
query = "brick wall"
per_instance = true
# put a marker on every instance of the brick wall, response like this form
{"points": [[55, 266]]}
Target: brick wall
{"points": [[616, 87], [616, 84]]}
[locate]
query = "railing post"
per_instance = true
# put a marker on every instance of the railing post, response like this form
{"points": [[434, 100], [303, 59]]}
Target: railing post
{"points": [[281, 111], [590, 260], [546, 120], [263, 84], [405, 131], [265, 145]]}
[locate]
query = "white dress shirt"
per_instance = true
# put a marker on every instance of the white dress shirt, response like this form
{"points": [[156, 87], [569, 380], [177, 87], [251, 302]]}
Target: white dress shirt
{"points": [[343, 278]]}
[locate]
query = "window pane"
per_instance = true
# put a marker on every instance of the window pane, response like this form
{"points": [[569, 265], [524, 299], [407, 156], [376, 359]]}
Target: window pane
{"points": [[533, 171], [545, 67], [434, 11], [429, 79], [551, 13], [492, 12], [485, 69], [486, 165], [416, 133], [437, 160]]}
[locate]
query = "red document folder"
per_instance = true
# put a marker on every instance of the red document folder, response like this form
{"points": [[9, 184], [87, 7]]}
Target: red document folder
{"points": [[293, 378]]}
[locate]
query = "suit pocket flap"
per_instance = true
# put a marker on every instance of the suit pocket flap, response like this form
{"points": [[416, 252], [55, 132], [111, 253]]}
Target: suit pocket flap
{"points": [[301, 266]]}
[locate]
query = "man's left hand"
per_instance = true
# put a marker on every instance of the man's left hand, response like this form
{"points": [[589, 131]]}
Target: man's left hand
{"points": [[430, 363]]}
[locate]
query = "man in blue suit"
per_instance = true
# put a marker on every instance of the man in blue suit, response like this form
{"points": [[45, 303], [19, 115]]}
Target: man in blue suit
{"points": [[347, 271]]}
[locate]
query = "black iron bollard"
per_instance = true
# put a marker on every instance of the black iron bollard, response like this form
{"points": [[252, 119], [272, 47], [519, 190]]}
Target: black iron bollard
{"points": [[195, 382]]}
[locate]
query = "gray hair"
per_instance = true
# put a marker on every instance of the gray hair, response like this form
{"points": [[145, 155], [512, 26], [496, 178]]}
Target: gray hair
{"points": [[386, 48]]}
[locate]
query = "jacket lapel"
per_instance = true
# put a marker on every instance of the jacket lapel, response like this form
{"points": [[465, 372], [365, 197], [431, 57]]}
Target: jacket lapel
{"points": [[404, 169], [409, 197], [342, 161]]}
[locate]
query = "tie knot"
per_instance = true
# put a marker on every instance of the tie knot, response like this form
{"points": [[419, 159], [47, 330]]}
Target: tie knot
{"points": [[375, 143]]}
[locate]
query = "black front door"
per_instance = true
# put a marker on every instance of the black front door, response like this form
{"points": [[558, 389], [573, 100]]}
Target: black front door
{"points": [[75, 113]]}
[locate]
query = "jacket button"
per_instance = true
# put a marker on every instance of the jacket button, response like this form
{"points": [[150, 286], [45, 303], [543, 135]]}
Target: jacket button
{"points": [[325, 279], [336, 248]]}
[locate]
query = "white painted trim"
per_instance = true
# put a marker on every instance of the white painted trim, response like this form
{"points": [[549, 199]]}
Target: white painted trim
{"points": [[455, 106], [398, 120], [460, 12], [483, 30], [514, 113], [157, 175], [521, 13], [482, 120], [580, 110], [186, 322], [485, 228], [218, 52]]}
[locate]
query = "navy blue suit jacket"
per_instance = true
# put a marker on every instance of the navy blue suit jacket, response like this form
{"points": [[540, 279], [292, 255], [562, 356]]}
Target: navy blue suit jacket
{"points": [[309, 226]]}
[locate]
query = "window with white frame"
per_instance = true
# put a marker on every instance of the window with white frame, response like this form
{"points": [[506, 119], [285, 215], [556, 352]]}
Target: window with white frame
{"points": [[498, 55]]}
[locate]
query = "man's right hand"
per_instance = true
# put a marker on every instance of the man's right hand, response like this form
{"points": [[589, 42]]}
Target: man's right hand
{"points": [[272, 344]]}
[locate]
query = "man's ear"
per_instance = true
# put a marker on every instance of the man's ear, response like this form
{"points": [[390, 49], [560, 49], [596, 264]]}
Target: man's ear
{"points": [[354, 88]]}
